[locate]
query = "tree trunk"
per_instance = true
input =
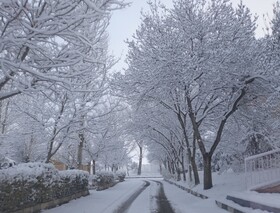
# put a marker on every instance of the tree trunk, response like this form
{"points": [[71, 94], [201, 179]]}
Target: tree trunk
{"points": [[52, 152], [93, 167], [190, 172], [169, 167], [172, 168], [195, 171], [208, 155], [49, 155], [140, 160], [182, 121], [4, 115], [194, 166], [207, 171], [80, 151], [88, 167], [183, 168], [165, 164], [178, 174], [178, 171]]}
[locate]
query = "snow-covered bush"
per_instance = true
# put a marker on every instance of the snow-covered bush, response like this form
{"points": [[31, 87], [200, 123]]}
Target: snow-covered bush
{"points": [[78, 176], [74, 180], [92, 180], [6, 162], [103, 180], [167, 175], [29, 184], [120, 175]]}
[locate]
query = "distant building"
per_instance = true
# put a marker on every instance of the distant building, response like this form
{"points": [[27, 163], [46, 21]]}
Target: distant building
{"points": [[59, 165], [62, 166]]}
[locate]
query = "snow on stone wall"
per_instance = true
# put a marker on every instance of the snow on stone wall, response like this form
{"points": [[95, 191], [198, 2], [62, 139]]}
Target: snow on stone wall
{"points": [[29, 184]]}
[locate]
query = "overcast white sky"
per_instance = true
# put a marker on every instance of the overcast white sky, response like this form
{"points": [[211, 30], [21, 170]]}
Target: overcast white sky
{"points": [[125, 22]]}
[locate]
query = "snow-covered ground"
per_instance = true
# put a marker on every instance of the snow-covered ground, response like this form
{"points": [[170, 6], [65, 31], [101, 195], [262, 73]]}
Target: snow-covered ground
{"points": [[100, 201], [234, 184], [111, 199], [184, 202]]}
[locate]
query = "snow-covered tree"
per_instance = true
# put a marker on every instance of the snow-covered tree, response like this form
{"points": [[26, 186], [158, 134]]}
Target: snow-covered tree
{"points": [[54, 54], [42, 39], [198, 60], [147, 80]]}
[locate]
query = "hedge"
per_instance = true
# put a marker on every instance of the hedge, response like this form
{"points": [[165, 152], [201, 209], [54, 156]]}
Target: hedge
{"points": [[29, 184]]}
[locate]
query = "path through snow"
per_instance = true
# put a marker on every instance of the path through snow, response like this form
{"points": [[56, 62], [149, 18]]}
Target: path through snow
{"points": [[150, 198], [156, 197]]}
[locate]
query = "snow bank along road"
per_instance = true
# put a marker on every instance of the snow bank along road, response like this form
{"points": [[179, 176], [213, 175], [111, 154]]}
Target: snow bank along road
{"points": [[139, 196]]}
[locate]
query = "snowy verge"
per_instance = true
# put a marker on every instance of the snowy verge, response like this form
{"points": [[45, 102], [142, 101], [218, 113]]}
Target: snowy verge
{"points": [[194, 193], [257, 200], [232, 184]]}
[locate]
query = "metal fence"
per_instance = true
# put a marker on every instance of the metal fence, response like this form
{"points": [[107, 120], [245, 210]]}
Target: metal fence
{"points": [[262, 169]]}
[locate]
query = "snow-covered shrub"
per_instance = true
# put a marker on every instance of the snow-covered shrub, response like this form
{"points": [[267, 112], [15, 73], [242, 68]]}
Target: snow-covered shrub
{"points": [[29, 184], [120, 175], [31, 172], [104, 180], [6, 162], [74, 180], [92, 180], [167, 175]]}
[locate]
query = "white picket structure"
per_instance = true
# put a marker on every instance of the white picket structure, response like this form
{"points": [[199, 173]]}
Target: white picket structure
{"points": [[262, 169]]}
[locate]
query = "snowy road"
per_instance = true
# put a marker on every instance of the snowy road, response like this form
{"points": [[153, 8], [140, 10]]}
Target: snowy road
{"points": [[163, 205], [139, 196], [152, 199], [125, 206]]}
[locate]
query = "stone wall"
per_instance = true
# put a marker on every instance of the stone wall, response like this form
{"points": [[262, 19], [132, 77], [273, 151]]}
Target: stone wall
{"points": [[36, 186]]}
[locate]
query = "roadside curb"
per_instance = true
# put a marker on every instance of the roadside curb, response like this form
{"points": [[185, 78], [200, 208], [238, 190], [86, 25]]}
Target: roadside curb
{"points": [[227, 207], [135, 177], [253, 205], [188, 190]]}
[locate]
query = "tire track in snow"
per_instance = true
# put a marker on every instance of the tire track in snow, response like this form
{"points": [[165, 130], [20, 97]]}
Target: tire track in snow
{"points": [[163, 203], [125, 206]]}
